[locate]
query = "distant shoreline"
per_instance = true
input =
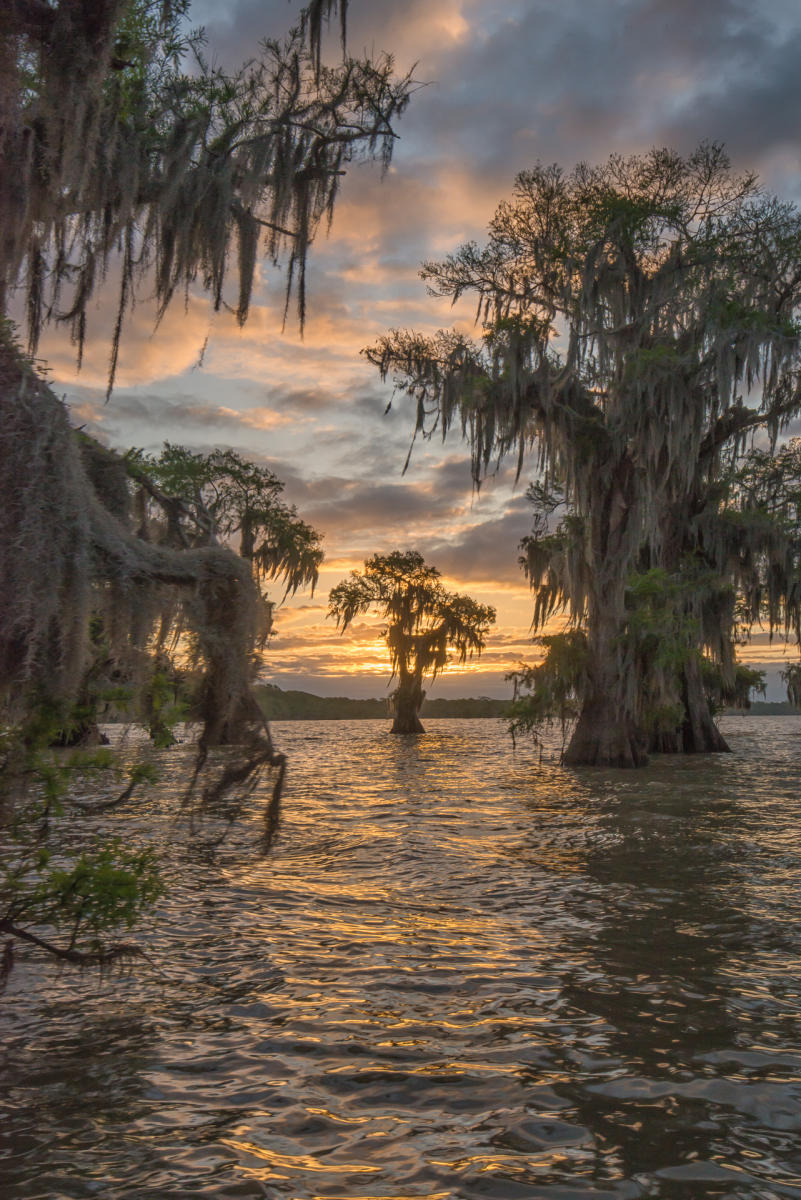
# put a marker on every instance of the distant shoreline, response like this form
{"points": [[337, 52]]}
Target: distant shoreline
{"points": [[765, 708], [280, 705]]}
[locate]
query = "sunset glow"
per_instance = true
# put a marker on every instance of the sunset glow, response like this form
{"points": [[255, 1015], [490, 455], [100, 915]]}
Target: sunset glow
{"points": [[314, 409]]}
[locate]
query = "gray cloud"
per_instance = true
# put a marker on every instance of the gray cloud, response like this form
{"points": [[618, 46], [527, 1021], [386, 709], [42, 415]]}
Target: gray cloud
{"points": [[487, 551], [509, 82]]}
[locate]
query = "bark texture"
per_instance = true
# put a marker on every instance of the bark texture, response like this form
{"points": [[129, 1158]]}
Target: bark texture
{"points": [[407, 702]]}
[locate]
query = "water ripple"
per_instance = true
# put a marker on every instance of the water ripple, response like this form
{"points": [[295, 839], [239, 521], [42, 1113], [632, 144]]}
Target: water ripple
{"points": [[460, 973]]}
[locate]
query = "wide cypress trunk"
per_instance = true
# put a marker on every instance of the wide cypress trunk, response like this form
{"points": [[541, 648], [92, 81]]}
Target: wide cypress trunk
{"points": [[607, 733], [407, 702], [602, 738]]}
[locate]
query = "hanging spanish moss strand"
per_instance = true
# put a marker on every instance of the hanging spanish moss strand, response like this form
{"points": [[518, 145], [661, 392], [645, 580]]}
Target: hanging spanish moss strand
{"points": [[112, 153], [640, 323], [124, 154]]}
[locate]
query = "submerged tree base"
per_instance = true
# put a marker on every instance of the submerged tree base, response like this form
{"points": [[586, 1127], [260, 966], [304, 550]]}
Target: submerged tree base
{"points": [[598, 741], [406, 702], [409, 725], [692, 738]]}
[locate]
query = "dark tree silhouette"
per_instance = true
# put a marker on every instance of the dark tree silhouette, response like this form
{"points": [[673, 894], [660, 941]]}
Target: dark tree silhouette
{"points": [[109, 148], [425, 623], [639, 324], [116, 162], [186, 499]]}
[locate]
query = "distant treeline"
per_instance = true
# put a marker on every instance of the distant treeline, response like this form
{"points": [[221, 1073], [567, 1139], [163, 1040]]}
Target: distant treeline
{"points": [[766, 708], [279, 705]]}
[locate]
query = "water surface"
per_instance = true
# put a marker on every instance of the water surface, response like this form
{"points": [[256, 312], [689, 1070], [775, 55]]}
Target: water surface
{"points": [[460, 973]]}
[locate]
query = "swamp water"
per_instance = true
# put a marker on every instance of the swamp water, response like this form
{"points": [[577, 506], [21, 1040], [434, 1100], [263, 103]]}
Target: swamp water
{"points": [[459, 973]]}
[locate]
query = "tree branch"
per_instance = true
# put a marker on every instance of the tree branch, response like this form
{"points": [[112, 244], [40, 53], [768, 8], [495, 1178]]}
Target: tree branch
{"points": [[81, 958]]}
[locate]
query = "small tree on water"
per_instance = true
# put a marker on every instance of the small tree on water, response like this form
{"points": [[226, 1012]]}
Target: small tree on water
{"points": [[640, 323], [425, 623]]}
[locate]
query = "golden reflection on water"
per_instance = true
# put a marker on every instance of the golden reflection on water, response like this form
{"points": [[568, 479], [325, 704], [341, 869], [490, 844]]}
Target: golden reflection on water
{"points": [[460, 974], [293, 1162]]}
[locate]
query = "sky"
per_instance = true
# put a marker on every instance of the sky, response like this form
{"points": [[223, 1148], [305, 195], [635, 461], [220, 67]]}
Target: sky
{"points": [[504, 83]]}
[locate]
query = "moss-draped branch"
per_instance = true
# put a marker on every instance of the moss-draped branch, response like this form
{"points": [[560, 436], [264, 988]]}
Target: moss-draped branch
{"points": [[639, 324]]}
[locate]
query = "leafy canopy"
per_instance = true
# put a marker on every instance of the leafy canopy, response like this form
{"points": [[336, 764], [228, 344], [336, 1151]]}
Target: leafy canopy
{"points": [[224, 497], [424, 620], [628, 306]]}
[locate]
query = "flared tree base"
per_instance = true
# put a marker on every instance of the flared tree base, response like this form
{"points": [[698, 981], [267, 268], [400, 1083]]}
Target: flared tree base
{"points": [[406, 703], [698, 733], [410, 724], [600, 741]]}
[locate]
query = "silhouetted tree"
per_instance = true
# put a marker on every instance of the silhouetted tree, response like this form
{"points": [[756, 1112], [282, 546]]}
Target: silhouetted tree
{"points": [[115, 160], [425, 623], [107, 145], [187, 499], [640, 323]]}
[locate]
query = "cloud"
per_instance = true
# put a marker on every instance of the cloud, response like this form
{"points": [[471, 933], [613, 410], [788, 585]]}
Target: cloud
{"points": [[507, 82], [487, 550]]}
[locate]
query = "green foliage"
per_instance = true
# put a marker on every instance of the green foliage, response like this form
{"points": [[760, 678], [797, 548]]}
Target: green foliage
{"points": [[734, 691], [658, 624], [551, 691], [103, 889], [222, 496], [425, 622], [730, 313], [56, 891], [767, 486], [165, 705], [150, 44], [650, 362]]}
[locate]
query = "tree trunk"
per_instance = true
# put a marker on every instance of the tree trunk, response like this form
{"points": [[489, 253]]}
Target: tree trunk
{"points": [[224, 723], [666, 741], [85, 733], [605, 736], [697, 733], [700, 734], [607, 733], [407, 702]]}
